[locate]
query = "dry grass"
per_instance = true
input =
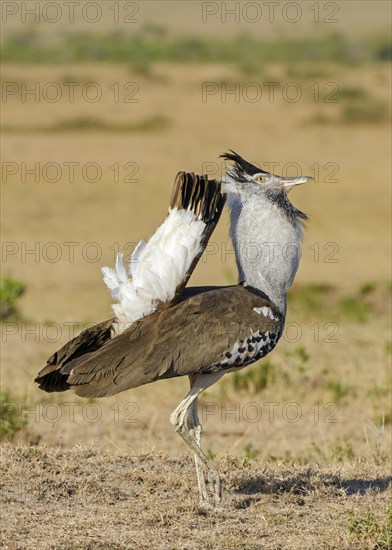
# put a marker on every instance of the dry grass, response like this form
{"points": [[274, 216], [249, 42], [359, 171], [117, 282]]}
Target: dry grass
{"points": [[83, 498]]}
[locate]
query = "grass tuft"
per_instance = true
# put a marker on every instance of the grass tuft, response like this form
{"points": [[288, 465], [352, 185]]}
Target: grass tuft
{"points": [[339, 390], [367, 288], [342, 449], [10, 291], [253, 379], [371, 529], [352, 93], [309, 298], [355, 308], [91, 124], [11, 418], [366, 112]]}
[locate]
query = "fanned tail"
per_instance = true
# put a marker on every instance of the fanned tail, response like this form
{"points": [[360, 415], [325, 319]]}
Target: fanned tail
{"points": [[159, 269]]}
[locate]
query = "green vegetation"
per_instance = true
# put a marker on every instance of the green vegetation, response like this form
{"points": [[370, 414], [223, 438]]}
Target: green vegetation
{"points": [[250, 453], [305, 71], [341, 449], [327, 303], [367, 288], [300, 357], [88, 124], [384, 419], [11, 417], [366, 112], [210, 455], [10, 292], [154, 45], [253, 379], [339, 390], [371, 529], [310, 298], [360, 110], [351, 93], [355, 308], [379, 391]]}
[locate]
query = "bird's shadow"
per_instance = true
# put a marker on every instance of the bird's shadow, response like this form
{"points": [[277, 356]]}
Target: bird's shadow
{"points": [[304, 483]]}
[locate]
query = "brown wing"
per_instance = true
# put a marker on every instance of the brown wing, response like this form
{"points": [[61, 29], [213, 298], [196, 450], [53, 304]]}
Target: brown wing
{"points": [[187, 338]]}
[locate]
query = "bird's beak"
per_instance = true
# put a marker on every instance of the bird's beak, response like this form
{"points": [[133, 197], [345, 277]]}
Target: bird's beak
{"points": [[285, 183], [288, 183]]}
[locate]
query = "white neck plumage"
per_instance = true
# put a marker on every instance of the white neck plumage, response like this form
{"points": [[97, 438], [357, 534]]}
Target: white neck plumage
{"points": [[267, 245]]}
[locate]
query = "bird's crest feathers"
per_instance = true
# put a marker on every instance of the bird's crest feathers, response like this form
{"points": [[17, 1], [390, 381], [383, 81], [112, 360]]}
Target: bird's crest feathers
{"points": [[242, 170]]}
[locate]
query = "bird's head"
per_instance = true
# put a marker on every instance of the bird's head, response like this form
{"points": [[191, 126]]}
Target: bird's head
{"points": [[247, 181]]}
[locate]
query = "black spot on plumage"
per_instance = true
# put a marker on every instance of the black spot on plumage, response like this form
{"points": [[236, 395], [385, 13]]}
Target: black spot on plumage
{"points": [[246, 354]]}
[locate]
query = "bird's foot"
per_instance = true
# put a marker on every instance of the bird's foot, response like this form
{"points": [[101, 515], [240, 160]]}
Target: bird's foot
{"points": [[211, 491]]}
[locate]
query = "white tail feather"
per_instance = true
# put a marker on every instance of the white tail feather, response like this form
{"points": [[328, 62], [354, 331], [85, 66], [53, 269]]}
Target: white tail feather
{"points": [[156, 268], [135, 256]]}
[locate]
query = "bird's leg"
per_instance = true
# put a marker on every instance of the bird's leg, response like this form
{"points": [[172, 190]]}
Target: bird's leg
{"points": [[179, 418], [184, 421], [195, 430]]}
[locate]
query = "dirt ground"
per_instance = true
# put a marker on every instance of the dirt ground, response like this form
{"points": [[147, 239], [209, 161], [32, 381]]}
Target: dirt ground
{"points": [[83, 498]]}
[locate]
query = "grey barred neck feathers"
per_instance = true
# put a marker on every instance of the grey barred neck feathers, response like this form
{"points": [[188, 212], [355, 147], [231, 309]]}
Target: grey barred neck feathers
{"points": [[263, 221]]}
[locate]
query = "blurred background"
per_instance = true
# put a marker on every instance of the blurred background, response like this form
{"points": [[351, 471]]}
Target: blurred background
{"points": [[102, 104]]}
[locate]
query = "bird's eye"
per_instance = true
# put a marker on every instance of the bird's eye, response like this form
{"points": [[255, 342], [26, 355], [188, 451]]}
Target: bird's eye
{"points": [[260, 178]]}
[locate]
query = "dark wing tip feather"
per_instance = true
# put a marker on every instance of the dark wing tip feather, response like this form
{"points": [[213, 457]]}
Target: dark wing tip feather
{"points": [[53, 381], [54, 376], [198, 194], [205, 199]]}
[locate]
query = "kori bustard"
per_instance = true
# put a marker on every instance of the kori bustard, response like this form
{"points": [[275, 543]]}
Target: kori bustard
{"points": [[163, 329]]}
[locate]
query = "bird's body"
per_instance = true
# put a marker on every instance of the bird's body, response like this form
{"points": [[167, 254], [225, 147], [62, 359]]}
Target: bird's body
{"points": [[207, 330], [163, 330]]}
